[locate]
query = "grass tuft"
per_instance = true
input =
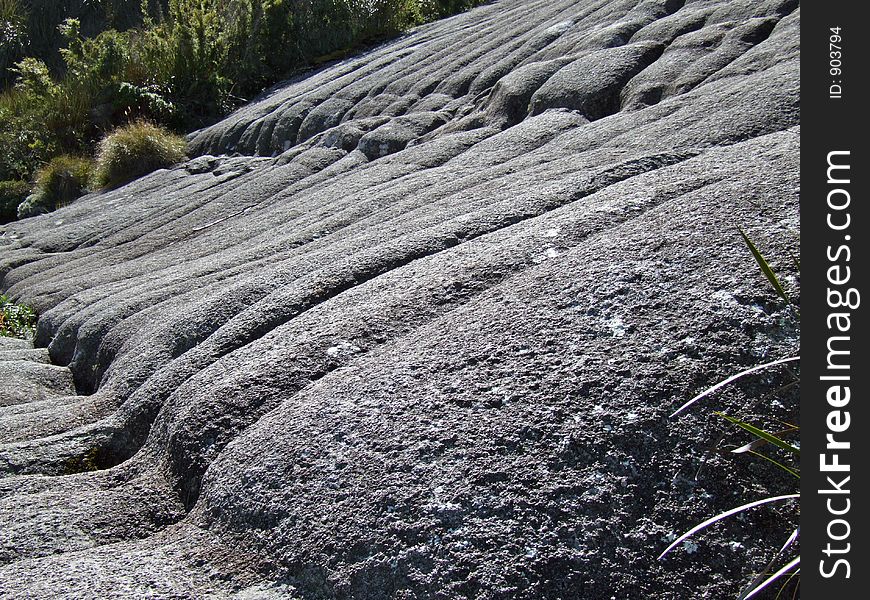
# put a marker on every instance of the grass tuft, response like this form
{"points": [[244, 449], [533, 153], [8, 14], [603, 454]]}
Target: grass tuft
{"points": [[135, 150], [71, 71], [60, 181]]}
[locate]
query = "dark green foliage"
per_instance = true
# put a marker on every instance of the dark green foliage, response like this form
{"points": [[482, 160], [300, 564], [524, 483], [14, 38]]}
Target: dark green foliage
{"points": [[135, 150], [63, 179], [765, 268], [25, 140], [40, 118], [12, 193], [437, 9], [13, 36], [16, 320], [36, 24], [92, 460], [93, 65]]}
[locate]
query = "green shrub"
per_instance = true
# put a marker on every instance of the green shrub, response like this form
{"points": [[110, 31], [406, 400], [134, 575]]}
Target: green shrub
{"points": [[32, 26], [16, 320], [12, 193], [135, 150], [83, 67], [31, 129], [63, 179], [437, 9], [13, 35]]}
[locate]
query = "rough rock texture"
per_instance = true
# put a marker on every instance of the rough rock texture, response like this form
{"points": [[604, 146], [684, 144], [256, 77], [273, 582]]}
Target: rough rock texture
{"points": [[411, 326]]}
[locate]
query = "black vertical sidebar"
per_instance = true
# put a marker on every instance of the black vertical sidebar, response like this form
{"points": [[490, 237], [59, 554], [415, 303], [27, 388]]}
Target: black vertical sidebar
{"points": [[835, 227]]}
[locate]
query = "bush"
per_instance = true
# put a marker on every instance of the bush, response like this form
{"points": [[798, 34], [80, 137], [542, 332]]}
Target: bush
{"points": [[58, 183], [12, 193], [34, 122], [30, 27], [16, 320], [436, 9], [136, 150], [83, 67], [13, 35]]}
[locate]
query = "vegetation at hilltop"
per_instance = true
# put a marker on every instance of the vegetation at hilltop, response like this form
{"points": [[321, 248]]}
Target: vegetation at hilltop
{"points": [[72, 71]]}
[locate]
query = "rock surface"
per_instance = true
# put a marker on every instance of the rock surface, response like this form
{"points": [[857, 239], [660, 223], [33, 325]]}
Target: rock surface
{"points": [[411, 326]]}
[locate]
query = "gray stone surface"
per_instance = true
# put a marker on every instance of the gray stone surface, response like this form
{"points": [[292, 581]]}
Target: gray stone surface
{"points": [[410, 326]]}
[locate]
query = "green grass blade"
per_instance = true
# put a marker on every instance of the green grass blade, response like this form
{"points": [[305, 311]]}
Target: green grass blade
{"points": [[764, 435], [761, 576], [788, 567], [777, 463], [784, 586], [756, 444], [765, 268]]}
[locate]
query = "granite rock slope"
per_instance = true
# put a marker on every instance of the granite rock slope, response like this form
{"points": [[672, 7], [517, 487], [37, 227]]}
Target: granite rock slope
{"points": [[410, 326]]}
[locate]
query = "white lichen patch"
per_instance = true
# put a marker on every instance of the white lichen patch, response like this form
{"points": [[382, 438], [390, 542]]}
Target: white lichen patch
{"points": [[725, 297], [616, 326], [342, 349]]}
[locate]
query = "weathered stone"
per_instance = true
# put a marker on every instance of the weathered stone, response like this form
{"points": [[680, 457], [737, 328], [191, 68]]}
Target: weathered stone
{"points": [[410, 326]]}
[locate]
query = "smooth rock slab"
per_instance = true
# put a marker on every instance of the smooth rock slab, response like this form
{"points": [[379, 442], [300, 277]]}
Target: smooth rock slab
{"points": [[410, 326]]}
